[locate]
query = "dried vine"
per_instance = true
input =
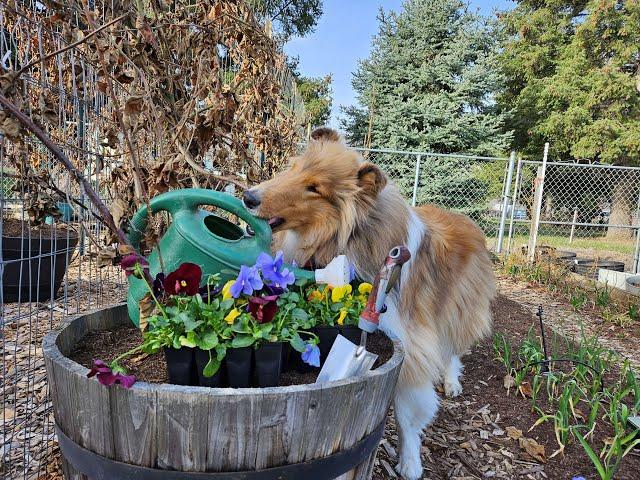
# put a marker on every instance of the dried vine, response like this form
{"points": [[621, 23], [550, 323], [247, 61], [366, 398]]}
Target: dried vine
{"points": [[196, 95]]}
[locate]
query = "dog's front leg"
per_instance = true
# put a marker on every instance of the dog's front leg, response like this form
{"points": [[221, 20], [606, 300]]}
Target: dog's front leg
{"points": [[414, 407]]}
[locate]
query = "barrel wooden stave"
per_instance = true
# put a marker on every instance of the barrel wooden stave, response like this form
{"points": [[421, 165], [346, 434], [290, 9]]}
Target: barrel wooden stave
{"points": [[202, 429]]}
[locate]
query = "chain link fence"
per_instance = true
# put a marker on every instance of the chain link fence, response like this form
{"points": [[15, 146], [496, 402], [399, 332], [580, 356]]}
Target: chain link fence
{"points": [[587, 209], [469, 184], [591, 210]]}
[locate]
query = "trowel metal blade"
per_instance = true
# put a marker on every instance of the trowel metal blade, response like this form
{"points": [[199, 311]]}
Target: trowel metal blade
{"points": [[342, 361]]}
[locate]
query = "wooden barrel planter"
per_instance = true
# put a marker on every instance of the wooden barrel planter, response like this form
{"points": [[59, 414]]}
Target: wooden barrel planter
{"points": [[170, 432]]}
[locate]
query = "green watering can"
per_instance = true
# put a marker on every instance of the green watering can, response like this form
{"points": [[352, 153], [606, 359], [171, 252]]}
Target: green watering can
{"points": [[199, 237]]}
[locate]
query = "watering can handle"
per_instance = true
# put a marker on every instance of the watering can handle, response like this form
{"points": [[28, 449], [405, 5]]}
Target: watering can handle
{"points": [[190, 199]]}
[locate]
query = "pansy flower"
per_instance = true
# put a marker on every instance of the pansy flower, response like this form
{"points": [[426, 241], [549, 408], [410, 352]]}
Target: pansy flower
{"points": [[311, 354], [129, 263], [185, 280], [342, 316], [158, 284], [226, 290], [338, 293], [264, 308], [315, 296], [248, 280], [365, 288], [273, 270], [232, 315], [106, 376]]}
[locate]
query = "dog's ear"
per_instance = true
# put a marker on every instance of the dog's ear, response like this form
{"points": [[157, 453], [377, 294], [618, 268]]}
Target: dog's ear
{"points": [[325, 134], [371, 179]]}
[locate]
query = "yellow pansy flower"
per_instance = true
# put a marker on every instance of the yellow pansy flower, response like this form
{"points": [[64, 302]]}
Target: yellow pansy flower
{"points": [[365, 288], [226, 293], [338, 293], [315, 296], [343, 315], [232, 315]]}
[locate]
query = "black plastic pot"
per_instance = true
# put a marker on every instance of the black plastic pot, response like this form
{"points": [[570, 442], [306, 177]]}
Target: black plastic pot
{"points": [[181, 366], [589, 268], [239, 366], [268, 362], [286, 356], [327, 336], [351, 333], [202, 358], [34, 267]]}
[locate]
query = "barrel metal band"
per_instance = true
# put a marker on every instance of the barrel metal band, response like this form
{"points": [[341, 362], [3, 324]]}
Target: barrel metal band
{"points": [[99, 467]]}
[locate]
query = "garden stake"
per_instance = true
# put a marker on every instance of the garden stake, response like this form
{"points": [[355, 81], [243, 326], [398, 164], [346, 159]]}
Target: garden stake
{"points": [[548, 360], [346, 359], [545, 365]]}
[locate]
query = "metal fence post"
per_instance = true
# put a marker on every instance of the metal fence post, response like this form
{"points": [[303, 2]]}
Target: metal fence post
{"points": [[636, 251], [514, 202], [505, 202], [573, 224], [537, 205], [415, 180]]}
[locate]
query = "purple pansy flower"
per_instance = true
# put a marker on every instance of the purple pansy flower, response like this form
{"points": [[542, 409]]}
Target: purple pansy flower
{"points": [[248, 280], [578, 478], [311, 355], [273, 271], [106, 376], [263, 309], [129, 262], [158, 284]]}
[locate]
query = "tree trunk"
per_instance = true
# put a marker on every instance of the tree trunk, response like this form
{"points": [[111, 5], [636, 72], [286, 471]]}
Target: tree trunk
{"points": [[622, 205]]}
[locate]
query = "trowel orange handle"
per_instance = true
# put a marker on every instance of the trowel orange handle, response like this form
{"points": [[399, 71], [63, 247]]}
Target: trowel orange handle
{"points": [[383, 283]]}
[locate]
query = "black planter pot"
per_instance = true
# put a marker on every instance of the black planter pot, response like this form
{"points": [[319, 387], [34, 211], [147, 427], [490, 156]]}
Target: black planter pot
{"points": [[202, 358], [351, 333], [239, 361], [327, 336], [286, 357], [268, 362], [181, 366], [34, 267]]}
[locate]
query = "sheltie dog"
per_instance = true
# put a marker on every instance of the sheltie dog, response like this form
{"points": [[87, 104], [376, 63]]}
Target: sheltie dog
{"points": [[331, 201]]}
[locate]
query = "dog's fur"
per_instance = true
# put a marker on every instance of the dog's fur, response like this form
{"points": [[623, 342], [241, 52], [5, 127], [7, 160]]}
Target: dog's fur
{"points": [[333, 202]]}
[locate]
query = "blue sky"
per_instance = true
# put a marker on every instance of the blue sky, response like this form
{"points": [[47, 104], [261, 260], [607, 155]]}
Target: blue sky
{"points": [[343, 36]]}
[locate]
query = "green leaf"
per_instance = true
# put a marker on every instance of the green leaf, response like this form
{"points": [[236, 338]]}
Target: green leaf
{"points": [[240, 341], [301, 282], [293, 297], [299, 314], [226, 304], [209, 341], [212, 367], [189, 322], [190, 340], [221, 352], [297, 343]]}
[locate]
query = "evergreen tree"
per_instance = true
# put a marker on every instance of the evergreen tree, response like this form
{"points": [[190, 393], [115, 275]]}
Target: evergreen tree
{"points": [[574, 81], [429, 85]]}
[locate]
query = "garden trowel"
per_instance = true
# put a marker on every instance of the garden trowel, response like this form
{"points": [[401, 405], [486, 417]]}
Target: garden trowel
{"points": [[347, 359]]}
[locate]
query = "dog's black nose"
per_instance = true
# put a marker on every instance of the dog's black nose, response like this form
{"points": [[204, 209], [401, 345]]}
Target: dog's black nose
{"points": [[251, 199]]}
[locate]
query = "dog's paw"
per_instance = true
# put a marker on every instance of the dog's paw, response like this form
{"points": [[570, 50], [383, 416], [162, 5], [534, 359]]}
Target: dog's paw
{"points": [[452, 388], [409, 470]]}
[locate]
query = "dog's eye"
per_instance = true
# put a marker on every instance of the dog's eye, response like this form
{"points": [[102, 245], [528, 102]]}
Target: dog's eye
{"points": [[312, 188]]}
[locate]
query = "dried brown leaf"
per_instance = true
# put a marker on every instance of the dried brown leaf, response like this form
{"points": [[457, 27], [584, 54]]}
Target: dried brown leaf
{"points": [[514, 433], [533, 448]]}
